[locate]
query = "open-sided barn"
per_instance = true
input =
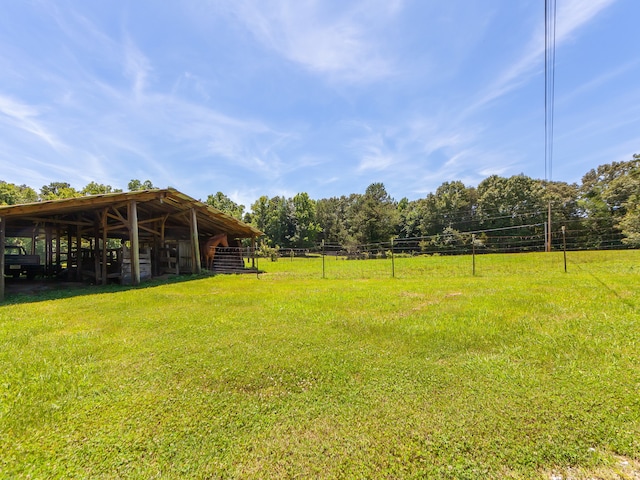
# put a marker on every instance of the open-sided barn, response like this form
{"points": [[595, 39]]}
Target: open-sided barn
{"points": [[127, 236]]}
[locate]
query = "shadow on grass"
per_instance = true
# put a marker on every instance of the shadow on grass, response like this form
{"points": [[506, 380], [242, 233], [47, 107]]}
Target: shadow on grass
{"points": [[21, 290], [607, 287]]}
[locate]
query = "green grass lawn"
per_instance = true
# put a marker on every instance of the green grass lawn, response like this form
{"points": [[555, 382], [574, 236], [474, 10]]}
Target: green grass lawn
{"points": [[522, 371]]}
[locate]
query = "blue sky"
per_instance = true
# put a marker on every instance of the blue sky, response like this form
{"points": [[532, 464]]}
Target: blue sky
{"points": [[275, 97]]}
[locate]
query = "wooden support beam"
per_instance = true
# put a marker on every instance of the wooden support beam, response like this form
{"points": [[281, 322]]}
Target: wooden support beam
{"points": [[147, 229], [3, 229], [124, 223], [195, 243], [118, 216], [52, 220], [34, 234], [69, 250], [152, 220], [104, 245], [79, 253], [253, 252], [135, 243], [96, 251], [57, 249], [48, 250], [164, 221]]}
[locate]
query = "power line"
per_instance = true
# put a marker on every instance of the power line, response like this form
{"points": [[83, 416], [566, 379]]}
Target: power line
{"points": [[549, 86], [549, 96]]}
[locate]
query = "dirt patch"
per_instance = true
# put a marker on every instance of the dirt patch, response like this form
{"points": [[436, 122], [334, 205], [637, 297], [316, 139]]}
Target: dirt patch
{"points": [[23, 286], [622, 468]]}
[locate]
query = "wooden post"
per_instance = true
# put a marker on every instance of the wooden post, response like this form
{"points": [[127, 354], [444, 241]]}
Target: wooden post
{"points": [[96, 253], [2, 240], [104, 246], [195, 244], [48, 250], [162, 225], [155, 256], [57, 269], [34, 233], [69, 247], [135, 243], [253, 252], [549, 228], [178, 258], [162, 244], [79, 252]]}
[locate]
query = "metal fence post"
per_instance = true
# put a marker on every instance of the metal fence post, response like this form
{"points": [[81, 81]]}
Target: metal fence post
{"points": [[323, 258], [473, 253], [393, 263], [564, 248]]}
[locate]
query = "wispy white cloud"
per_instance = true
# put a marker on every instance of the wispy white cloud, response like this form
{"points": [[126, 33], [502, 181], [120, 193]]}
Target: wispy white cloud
{"points": [[341, 44], [79, 30], [189, 82], [429, 142], [433, 134], [374, 152], [136, 67], [571, 16], [600, 80], [84, 35], [25, 117], [418, 154], [242, 144], [618, 152], [112, 96]]}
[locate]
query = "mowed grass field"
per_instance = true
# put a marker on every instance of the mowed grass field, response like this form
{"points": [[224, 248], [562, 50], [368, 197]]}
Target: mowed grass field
{"points": [[522, 371]]}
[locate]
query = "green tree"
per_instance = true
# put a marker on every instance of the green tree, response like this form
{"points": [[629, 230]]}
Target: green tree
{"points": [[275, 217], [12, 194], [135, 185], [58, 190], [450, 240], [454, 204], [306, 228], [630, 223], [95, 188], [260, 213], [331, 216], [564, 201], [407, 225], [517, 201], [375, 216], [513, 201], [281, 227], [226, 205], [607, 195], [623, 194]]}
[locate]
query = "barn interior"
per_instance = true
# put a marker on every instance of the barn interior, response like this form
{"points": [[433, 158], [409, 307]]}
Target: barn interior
{"points": [[125, 237]]}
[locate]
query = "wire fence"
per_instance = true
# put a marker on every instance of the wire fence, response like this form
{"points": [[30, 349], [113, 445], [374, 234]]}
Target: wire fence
{"points": [[448, 253]]}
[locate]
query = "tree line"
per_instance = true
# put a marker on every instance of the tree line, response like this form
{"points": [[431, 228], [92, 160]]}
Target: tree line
{"points": [[603, 210]]}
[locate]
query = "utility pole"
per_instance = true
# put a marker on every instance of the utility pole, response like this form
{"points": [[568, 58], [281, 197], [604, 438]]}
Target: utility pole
{"points": [[549, 228], [564, 247]]}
